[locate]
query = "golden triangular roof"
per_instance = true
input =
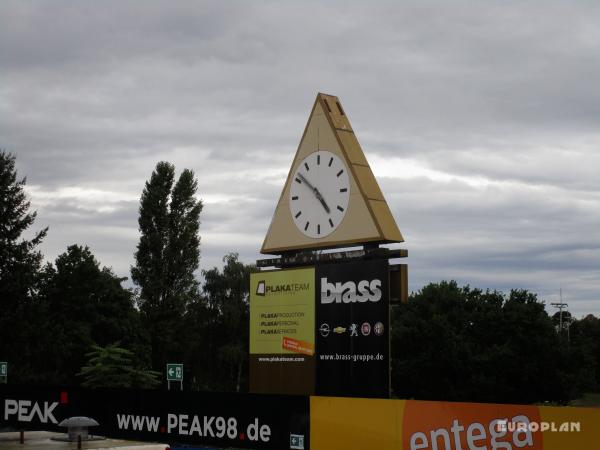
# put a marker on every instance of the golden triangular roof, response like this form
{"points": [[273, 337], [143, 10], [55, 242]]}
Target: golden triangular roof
{"points": [[368, 218]]}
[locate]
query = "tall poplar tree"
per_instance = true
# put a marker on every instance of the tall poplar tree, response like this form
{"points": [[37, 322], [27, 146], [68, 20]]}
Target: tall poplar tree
{"points": [[20, 263], [167, 256]]}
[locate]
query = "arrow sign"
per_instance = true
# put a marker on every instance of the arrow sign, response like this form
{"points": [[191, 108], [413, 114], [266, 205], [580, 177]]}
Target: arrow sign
{"points": [[174, 372]]}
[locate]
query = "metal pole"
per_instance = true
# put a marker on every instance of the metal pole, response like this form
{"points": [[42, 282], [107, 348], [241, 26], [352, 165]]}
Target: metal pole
{"points": [[561, 304], [560, 307], [560, 318]]}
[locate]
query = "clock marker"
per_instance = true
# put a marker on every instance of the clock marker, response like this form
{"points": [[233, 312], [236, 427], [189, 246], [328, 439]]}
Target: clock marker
{"points": [[319, 229], [340, 172], [307, 168], [318, 159], [298, 181], [306, 226], [340, 208], [298, 215], [330, 161], [295, 197], [331, 223], [342, 190]]}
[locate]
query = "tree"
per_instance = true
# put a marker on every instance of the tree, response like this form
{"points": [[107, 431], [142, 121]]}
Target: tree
{"points": [[227, 299], [82, 305], [20, 262], [584, 354], [217, 328], [113, 367], [562, 321], [461, 344], [167, 256]]}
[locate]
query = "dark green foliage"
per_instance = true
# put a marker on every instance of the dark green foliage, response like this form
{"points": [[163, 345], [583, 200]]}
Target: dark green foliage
{"points": [[167, 257], [19, 267], [15, 219], [113, 367], [584, 354], [82, 305], [462, 344], [557, 321], [217, 329]]}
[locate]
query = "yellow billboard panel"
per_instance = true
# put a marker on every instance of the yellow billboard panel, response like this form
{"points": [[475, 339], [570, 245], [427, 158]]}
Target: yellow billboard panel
{"points": [[338, 423], [358, 423], [282, 311], [570, 428]]}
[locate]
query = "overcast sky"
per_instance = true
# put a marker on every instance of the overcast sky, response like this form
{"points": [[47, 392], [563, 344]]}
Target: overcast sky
{"points": [[479, 119]]}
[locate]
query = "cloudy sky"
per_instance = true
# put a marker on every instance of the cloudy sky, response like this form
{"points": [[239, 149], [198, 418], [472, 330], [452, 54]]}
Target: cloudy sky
{"points": [[479, 119]]}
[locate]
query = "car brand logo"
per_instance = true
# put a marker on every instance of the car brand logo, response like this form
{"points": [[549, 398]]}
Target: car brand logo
{"points": [[324, 329], [365, 329], [339, 330], [353, 330], [378, 329]]}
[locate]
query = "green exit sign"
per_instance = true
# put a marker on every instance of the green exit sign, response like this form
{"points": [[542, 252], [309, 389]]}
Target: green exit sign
{"points": [[174, 372]]}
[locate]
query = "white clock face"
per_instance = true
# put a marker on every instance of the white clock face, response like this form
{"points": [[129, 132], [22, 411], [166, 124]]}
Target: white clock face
{"points": [[319, 194]]}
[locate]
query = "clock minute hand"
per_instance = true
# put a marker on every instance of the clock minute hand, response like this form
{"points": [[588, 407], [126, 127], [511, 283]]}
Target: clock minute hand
{"points": [[302, 178], [315, 191]]}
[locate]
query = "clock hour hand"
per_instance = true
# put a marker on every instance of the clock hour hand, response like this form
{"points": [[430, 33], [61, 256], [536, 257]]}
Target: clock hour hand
{"points": [[315, 191], [322, 200]]}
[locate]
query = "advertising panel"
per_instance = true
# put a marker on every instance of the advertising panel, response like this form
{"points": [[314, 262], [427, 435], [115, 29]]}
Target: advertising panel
{"points": [[282, 324], [201, 418], [352, 329], [358, 423], [470, 426], [299, 422]]}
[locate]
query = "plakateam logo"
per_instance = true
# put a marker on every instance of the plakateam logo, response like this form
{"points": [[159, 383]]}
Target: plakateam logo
{"points": [[350, 292], [262, 288]]}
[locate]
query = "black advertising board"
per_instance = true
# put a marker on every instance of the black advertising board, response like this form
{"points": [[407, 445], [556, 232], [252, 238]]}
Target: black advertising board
{"points": [[219, 419], [352, 329]]}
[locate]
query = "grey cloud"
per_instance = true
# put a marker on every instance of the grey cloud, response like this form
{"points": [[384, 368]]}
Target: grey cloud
{"points": [[92, 96]]}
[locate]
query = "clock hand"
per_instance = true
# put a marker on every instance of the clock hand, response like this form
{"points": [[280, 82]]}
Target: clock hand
{"points": [[322, 200], [302, 178], [315, 191]]}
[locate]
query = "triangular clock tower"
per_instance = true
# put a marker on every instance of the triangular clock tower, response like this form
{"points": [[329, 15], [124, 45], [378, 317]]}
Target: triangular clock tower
{"points": [[330, 198], [319, 320]]}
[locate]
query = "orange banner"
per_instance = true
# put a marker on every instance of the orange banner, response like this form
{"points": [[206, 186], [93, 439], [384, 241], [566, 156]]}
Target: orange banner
{"points": [[294, 345], [454, 426]]}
